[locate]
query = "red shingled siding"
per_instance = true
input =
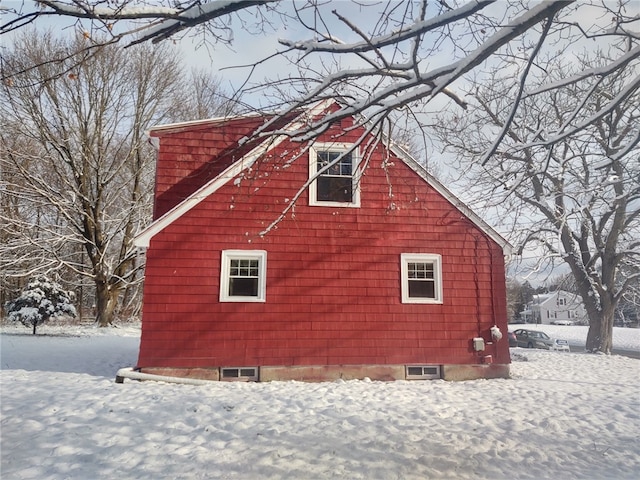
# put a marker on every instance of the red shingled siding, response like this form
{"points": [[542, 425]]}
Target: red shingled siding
{"points": [[190, 157], [333, 274]]}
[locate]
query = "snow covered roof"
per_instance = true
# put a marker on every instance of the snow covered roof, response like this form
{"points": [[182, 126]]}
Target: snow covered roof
{"points": [[144, 237], [542, 298]]}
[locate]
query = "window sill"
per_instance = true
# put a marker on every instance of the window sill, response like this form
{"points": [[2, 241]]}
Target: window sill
{"points": [[422, 301], [242, 300], [335, 204]]}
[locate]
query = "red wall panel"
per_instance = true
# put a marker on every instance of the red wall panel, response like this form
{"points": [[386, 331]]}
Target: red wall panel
{"points": [[333, 274]]}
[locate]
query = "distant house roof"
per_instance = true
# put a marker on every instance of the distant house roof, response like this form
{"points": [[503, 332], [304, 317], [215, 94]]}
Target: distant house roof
{"points": [[259, 149], [543, 298]]}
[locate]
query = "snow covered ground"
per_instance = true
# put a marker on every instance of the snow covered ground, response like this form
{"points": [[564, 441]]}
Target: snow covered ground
{"points": [[561, 415]]}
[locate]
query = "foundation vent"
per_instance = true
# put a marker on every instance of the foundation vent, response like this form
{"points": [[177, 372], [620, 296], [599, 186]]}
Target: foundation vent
{"points": [[423, 372], [239, 374]]}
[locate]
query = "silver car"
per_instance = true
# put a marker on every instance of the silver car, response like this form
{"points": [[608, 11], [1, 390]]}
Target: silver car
{"points": [[535, 339]]}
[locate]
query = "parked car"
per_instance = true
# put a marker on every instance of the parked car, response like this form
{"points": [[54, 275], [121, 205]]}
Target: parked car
{"points": [[535, 339], [562, 322], [513, 340]]}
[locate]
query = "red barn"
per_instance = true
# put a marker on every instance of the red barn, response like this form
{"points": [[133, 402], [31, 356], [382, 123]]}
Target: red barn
{"points": [[375, 270]]}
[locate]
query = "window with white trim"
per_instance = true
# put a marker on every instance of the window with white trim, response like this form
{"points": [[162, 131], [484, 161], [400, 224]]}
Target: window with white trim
{"points": [[335, 165], [421, 278], [243, 276]]}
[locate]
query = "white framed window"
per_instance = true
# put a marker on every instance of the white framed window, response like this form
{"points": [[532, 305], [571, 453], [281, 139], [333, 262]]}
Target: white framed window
{"points": [[421, 277], [243, 276], [336, 168]]}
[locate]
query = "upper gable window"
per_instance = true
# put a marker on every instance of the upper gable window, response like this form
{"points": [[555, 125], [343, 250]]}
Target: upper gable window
{"points": [[421, 278], [334, 165], [243, 276]]}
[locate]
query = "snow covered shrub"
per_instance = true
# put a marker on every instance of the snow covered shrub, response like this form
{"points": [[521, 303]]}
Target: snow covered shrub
{"points": [[41, 300]]}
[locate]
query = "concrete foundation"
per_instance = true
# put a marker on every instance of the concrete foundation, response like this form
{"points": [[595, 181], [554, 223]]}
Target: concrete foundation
{"points": [[199, 373], [329, 373]]}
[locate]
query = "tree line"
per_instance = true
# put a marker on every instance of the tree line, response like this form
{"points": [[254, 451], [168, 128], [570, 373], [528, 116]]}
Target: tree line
{"points": [[76, 167], [536, 102]]}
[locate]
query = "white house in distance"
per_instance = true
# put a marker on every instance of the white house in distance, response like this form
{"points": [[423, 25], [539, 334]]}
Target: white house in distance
{"points": [[555, 308]]}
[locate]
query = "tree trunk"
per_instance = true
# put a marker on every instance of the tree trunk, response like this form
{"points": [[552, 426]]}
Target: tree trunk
{"points": [[600, 336], [34, 327], [106, 302]]}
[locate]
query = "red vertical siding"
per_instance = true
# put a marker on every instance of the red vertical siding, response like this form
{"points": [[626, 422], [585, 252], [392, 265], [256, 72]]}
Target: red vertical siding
{"points": [[333, 278]]}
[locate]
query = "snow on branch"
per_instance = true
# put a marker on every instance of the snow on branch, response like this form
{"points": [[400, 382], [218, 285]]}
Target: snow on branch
{"points": [[196, 15], [197, 12], [428, 85], [392, 38], [413, 87], [521, 84], [86, 10], [603, 71], [169, 20], [613, 104]]}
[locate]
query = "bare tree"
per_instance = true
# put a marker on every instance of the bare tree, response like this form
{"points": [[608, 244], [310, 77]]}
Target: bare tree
{"points": [[76, 165], [378, 58], [385, 60], [202, 97], [565, 176]]}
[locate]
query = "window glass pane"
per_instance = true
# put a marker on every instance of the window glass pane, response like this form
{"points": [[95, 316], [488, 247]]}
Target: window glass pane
{"points": [[243, 287], [420, 270], [253, 268], [414, 370], [235, 267], [342, 168], [346, 167], [335, 184], [324, 159], [243, 268], [334, 189], [422, 289]]}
